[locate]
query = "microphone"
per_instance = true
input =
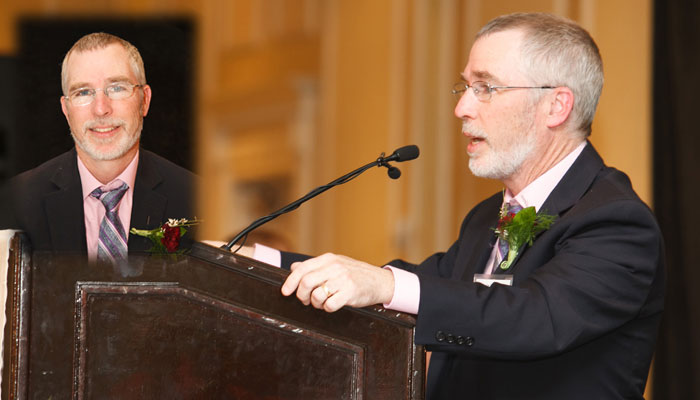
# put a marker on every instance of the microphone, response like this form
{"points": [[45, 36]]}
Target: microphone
{"points": [[405, 153], [402, 154]]}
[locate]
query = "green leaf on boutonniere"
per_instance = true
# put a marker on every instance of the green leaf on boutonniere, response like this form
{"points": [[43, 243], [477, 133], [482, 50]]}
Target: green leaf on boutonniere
{"points": [[520, 228]]}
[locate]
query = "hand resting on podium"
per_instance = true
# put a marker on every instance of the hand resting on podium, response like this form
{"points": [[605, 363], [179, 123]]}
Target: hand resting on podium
{"points": [[331, 281]]}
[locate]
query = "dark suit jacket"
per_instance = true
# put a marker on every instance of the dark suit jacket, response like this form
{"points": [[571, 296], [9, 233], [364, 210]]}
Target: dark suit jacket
{"points": [[582, 316], [48, 202]]}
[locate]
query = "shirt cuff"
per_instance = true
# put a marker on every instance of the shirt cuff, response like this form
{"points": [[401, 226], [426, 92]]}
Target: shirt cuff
{"points": [[267, 255], [406, 291]]}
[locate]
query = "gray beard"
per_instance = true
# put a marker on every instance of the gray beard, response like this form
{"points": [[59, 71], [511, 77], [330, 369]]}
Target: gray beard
{"points": [[123, 145], [503, 164]]}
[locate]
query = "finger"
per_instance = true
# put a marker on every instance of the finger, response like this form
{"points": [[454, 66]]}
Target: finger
{"points": [[309, 290], [319, 296], [335, 302], [307, 276], [334, 299], [299, 271], [291, 283], [295, 265]]}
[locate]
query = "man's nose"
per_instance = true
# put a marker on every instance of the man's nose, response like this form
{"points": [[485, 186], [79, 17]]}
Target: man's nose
{"points": [[102, 105], [466, 106]]}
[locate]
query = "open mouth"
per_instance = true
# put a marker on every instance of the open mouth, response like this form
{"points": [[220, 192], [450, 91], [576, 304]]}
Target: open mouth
{"points": [[104, 130], [474, 143]]}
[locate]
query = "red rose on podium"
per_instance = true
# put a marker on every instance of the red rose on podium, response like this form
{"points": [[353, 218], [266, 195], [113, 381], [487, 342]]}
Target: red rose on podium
{"points": [[171, 237]]}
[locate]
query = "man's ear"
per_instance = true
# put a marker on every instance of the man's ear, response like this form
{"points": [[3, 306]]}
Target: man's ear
{"points": [[560, 106], [146, 100], [63, 106]]}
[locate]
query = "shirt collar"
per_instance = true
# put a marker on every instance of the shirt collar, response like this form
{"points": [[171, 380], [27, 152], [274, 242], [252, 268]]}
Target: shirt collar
{"points": [[535, 194], [90, 183]]}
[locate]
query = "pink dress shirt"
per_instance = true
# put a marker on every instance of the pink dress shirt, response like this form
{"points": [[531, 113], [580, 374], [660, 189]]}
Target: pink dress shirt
{"points": [[95, 211]]}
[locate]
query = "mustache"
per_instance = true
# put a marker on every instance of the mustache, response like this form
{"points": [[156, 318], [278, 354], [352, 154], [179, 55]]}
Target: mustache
{"points": [[116, 122], [473, 131]]}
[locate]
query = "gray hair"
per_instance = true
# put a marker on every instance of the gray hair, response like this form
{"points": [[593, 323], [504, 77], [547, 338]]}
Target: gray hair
{"points": [[558, 52], [100, 40]]}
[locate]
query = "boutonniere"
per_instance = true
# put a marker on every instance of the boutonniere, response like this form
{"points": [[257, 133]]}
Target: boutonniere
{"points": [[520, 228], [166, 238]]}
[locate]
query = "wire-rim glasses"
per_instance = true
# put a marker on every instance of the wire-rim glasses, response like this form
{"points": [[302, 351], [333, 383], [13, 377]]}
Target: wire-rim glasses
{"points": [[483, 90], [115, 91]]}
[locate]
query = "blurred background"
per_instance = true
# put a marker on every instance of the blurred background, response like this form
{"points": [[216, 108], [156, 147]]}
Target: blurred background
{"points": [[267, 99]]}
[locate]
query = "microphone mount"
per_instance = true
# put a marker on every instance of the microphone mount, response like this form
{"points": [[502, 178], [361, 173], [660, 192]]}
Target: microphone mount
{"points": [[393, 172]]}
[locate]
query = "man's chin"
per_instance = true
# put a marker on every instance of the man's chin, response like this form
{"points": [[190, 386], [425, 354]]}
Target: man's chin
{"points": [[476, 168], [107, 150], [481, 168], [106, 153]]}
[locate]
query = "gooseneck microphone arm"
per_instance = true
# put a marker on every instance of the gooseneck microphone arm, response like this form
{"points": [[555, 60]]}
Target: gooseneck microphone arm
{"points": [[405, 153]]}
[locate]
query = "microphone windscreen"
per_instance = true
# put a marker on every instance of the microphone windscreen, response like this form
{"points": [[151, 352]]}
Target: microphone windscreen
{"points": [[407, 153], [394, 173]]}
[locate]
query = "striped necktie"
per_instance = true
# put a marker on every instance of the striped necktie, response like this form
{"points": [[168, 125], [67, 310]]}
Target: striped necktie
{"points": [[111, 245], [512, 208]]}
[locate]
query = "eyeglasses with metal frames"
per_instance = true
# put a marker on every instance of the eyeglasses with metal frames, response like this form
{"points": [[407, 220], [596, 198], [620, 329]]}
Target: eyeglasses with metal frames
{"points": [[483, 90], [115, 91]]}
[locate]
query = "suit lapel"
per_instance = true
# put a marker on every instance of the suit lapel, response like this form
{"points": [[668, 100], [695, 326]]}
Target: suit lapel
{"points": [[148, 209], [477, 242], [568, 191], [64, 207], [575, 182]]}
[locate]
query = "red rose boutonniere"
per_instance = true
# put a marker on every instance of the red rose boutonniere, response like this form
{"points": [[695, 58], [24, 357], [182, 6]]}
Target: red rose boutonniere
{"points": [[166, 239], [520, 228]]}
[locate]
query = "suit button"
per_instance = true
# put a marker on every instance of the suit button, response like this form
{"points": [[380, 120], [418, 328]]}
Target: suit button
{"points": [[461, 340], [440, 336], [450, 338], [469, 341]]}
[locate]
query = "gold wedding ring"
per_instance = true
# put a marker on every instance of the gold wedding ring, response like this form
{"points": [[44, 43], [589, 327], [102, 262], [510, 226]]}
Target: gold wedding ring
{"points": [[326, 290]]}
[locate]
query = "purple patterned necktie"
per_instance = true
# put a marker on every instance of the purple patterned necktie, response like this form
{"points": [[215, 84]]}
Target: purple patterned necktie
{"points": [[512, 208], [111, 245]]}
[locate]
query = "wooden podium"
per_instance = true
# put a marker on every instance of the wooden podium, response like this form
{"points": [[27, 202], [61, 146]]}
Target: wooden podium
{"points": [[208, 325]]}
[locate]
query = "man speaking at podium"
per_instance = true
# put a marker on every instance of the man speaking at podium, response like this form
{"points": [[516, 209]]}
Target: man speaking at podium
{"points": [[576, 291]]}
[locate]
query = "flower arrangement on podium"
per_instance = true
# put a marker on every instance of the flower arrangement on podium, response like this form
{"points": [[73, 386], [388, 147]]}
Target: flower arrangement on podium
{"points": [[166, 238]]}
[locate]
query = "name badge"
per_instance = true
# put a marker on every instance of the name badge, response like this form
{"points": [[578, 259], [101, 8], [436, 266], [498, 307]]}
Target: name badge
{"points": [[488, 279]]}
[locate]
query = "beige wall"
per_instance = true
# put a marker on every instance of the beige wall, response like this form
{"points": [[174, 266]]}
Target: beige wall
{"points": [[294, 93], [622, 128]]}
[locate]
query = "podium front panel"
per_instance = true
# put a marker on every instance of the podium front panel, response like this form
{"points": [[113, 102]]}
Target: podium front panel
{"points": [[206, 325]]}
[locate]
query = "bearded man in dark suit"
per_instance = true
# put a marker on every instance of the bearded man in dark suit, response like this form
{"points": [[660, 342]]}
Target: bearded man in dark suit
{"points": [[573, 316], [59, 203]]}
